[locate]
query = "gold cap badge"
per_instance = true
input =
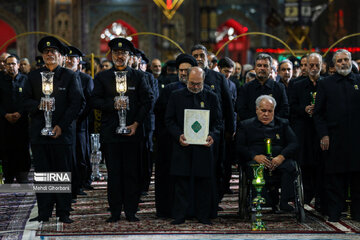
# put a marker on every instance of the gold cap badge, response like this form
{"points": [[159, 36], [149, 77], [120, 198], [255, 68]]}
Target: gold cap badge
{"points": [[277, 136], [212, 87], [356, 87], [202, 104], [70, 52], [47, 43], [119, 44]]}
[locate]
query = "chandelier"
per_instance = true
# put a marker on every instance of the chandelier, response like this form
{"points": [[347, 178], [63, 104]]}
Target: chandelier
{"points": [[116, 30]]}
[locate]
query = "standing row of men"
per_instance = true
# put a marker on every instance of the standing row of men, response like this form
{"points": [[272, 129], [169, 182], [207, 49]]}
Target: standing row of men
{"points": [[189, 179]]}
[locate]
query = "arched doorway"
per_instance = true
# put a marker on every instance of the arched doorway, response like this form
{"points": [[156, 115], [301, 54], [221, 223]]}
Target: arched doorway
{"points": [[237, 49], [119, 28], [7, 32]]}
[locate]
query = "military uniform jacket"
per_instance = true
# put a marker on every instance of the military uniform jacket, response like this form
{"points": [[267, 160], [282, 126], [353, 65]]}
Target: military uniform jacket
{"points": [[68, 99], [193, 160], [87, 86], [337, 114], [251, 135], [218, 84], [140, 100], [252, 90], [11, 95]]}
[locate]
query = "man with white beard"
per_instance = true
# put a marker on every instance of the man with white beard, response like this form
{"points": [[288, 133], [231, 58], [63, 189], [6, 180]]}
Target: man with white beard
{"points": [[336, 115]]}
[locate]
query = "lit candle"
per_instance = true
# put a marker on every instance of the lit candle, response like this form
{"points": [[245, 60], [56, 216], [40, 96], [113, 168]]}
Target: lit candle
{"points": [[268, 146], [313, 97]]}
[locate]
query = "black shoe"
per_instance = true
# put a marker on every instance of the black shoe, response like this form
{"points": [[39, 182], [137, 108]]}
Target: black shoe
{"points": [[65, 219], [286, 207], [178, 221], [220, 208], [229, 191], [39, 219], [132, 219], [205, 221], [88, 187], [81, 192], [113, 219]]}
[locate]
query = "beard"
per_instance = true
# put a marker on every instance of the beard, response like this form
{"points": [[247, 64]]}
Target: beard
{"points": [[343, 71], [195, 91]]}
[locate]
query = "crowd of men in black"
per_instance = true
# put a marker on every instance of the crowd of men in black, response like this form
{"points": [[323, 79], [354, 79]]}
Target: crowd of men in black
{"points": [[311, 116]]}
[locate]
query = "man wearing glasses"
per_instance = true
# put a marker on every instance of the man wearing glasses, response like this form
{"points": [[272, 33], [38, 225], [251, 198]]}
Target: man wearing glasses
{"points": [[122, 151], [53, 153]]}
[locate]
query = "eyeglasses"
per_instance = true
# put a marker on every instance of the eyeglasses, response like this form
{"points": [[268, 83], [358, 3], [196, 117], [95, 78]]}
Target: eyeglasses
{"points": [[49, 50], [120, 52]]}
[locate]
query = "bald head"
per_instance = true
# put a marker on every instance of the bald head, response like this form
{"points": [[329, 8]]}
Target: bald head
{"points": [[156, 67], [195, 79]]}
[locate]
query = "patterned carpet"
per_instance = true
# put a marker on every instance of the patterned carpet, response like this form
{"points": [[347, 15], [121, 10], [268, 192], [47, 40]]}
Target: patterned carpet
{"points": [[15, 209], [91, 212]]}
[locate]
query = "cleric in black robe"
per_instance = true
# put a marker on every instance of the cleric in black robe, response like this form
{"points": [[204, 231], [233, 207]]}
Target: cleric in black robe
{"points": [[122, 151], [164, 184], [193, 165]]}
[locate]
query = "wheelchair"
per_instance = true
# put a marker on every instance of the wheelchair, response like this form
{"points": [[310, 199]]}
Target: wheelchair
{"points": [[246, 195]]}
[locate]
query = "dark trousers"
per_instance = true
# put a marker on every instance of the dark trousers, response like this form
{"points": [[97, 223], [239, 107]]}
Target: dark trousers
{"points": [[16, 162], [122, 162], [335, 186], [228, 161], [200, 195], [164, 182], [83, 158], [53, 158]]}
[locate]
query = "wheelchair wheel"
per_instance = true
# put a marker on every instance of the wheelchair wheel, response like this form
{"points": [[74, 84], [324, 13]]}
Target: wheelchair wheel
{"points": [[299, 196]]}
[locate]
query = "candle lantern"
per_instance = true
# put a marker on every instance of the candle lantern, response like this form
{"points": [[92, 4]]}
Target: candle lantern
{"points": [[47, 103], [121, 101]]}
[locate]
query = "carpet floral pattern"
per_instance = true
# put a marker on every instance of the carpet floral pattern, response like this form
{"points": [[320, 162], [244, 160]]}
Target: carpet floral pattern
{"points": [[90, 213], [15, 209]]}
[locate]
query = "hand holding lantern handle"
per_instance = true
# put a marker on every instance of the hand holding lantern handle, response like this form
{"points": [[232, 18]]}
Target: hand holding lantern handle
{"points": [[47, 103], [121, 102]]}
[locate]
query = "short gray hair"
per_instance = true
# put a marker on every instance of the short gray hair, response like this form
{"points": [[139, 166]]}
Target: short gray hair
{"points": [[286, 61], [341, 51], [263, 56], [265, 97], [315, 55]]}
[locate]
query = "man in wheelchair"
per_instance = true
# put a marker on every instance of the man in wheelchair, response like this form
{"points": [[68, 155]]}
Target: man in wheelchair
{"points": [[251, 148]]}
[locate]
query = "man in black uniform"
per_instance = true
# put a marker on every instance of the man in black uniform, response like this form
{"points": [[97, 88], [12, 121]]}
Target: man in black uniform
{"points": [[336, 115], [164, 184], [149, 124], [262, 85], [82, 123], [193, 165], [53, 154], [16, 158], [250, 145], [122, 151]]}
